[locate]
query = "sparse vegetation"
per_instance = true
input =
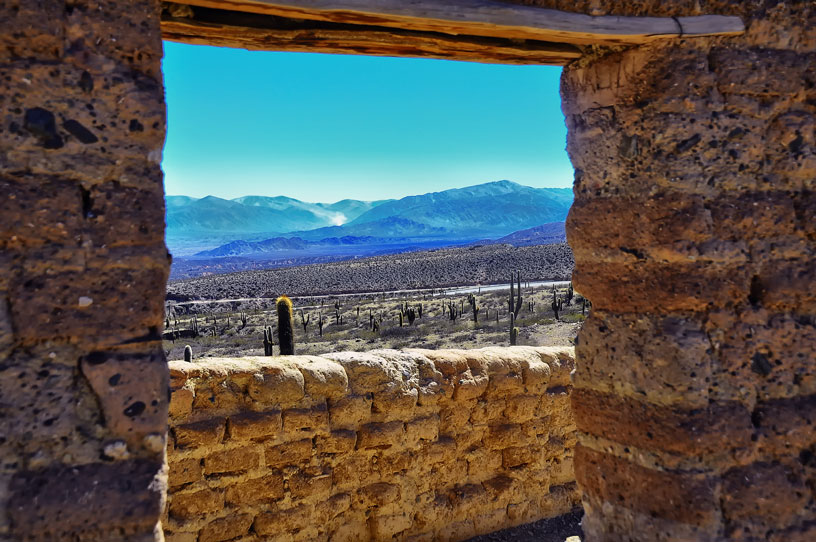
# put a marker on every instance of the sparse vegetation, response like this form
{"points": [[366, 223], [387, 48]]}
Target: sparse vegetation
{"points": [[445, 322], [442, 268]]}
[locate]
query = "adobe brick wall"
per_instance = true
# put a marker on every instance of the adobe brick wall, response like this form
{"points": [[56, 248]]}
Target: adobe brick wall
{"points": [[693, 232], [83, 265], [420, 444]]}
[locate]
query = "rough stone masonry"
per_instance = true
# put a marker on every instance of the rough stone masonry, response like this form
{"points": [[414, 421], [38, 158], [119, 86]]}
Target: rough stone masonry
{"points": [[383, 445], [693, 233], [83, 266], [693, 229]]}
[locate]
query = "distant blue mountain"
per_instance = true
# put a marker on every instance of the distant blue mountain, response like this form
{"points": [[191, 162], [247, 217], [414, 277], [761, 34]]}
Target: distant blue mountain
{"points": [[258, 225]]}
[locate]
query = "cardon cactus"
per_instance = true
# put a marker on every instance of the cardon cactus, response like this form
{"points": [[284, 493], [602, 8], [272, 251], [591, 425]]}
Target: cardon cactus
{"points": [[188, 353], [286, 325], [267, 341], [515, 305], [513, 330]]}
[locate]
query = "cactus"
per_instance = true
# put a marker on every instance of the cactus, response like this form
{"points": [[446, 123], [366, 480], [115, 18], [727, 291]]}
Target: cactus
{"points": [[286, 324], [243, 319], [452, 311], [188, 353], [304, 321], [411, 314], [320, 322], [570, 293], [400, 317], [267, 341], [474, 307], [419, 308], [556, 306], [195, 326], [513, 330], [515, 305]]}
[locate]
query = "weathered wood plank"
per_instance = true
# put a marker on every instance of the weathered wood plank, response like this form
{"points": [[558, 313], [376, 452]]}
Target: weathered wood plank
{"points": [[489, 18], [367, 41]]}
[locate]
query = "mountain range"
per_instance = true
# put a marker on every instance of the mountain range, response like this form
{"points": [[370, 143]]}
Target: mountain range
{"points": [[258, 225]]}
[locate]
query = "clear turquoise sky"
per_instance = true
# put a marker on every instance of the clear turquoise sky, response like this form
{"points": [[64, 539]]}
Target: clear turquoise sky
{"points": [[327, 127]]}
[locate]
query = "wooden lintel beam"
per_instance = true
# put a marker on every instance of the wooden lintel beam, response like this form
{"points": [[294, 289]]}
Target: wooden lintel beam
{"points": [[489, 18], [367, 41]]}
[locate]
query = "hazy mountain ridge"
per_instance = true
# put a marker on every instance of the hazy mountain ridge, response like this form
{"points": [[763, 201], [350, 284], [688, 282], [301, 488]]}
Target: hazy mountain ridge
{"points": [[258, 214], [276, 227]]}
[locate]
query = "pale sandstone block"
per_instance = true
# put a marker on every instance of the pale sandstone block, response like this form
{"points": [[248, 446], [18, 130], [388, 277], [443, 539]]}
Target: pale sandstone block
{"points": [[386, 527], [299, 423], [200, 434], [266, 489], [291, 453], [276, 384], [337, 442], [303, 485], [332, 507], [184, 472], [283, 521], [250, 425], [322, 377], [422, 429], [378, 494], [181, 403], [227, 528], [349, 412], [234, 460], [521, 408], [381, 435], [195, 504]]}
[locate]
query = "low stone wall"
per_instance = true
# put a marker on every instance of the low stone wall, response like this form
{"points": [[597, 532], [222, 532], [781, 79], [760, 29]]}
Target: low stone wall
{"points": [[412, 445]]}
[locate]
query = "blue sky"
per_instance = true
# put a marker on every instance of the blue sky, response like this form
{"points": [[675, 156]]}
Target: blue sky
{"points": [[328, 127]]}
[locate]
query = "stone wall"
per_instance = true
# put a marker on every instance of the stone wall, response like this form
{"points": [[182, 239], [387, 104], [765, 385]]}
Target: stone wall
{"points": [[83, 265], [693, 232], [420, 445]]}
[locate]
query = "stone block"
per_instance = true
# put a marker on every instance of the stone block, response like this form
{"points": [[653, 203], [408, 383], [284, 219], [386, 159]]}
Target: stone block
{"points": [[518, 456], [227, 528], [283, 521], [184, 471], [265, 489], [131, 389], [291, 453], [276, 385], [232, 460], [381, 435], [337, 442], [304, 485], [323, 378], [255, 426], [377, 495], [423, 429], [181, 403], [200, 434], [609, 479], [349, 412], [195, 504], [762, 497], [724, 428], [385, 527], [521, 408], [89, 501], [299, 423]]}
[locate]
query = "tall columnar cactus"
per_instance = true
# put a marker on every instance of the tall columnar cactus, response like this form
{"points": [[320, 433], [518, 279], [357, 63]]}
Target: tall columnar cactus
{"points": [[474, 307], [556, 306], [513, 330], [304, 320], [195, 326], [515, 304], [188, 353], [320, 322], [243, 319], [570, 293], [411, 314], [286, 326], [267, 341]]}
